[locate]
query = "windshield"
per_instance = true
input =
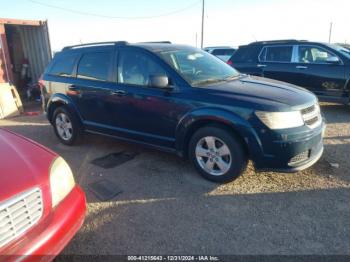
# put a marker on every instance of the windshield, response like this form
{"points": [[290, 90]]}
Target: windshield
{"points": [[197, 67], [341, 49]]}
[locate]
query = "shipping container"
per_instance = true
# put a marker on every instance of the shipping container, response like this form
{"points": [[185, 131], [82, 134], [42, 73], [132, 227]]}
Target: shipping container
{"points": [[24, 51]]}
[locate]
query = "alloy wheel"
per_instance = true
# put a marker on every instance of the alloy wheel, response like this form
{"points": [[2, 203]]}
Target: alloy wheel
{"points": [[213, 155], [64, 126]]}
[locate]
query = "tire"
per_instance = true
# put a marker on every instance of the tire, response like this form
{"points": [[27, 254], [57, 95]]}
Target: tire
{"points": [[66, 125], [227, 163]]}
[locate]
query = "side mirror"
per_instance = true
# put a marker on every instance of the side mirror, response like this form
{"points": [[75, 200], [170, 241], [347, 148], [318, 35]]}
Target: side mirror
{"points": [[333, 60], [160, 81]]}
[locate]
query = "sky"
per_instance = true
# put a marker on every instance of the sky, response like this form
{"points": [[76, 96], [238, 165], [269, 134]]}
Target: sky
{"points": [[227, 22]]}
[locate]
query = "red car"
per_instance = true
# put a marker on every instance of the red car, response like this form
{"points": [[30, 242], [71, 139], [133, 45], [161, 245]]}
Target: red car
{"points": [[41, 207]]}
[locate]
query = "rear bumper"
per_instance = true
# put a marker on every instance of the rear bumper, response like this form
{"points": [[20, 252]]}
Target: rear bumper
{"points": [[53, 233]]}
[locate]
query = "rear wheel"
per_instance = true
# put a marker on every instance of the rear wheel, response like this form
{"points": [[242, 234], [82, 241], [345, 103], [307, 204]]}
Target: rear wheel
{"points": [[217, 154], [66, 126]]}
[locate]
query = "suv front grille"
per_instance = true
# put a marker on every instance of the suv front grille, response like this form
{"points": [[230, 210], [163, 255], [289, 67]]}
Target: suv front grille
{"points": [[308, 110], [312, 116], [19, 214]]}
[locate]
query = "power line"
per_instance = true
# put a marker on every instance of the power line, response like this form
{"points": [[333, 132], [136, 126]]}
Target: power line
{"points": [[202, 35], [113, 17], [330, 32]]}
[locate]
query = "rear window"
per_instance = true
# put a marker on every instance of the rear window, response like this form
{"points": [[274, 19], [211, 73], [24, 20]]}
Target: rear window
{"points": [[246, 54], [223, 52], [276, 54], [95, 66], [63, 65]]}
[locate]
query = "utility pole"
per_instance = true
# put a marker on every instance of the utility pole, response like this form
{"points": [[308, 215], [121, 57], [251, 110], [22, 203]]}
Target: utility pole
{"points": [[330, 32], [202, 36]]}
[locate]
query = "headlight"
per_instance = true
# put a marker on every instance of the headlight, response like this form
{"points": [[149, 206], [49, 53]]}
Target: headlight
{"points": [[281, 120], [61, 180]]}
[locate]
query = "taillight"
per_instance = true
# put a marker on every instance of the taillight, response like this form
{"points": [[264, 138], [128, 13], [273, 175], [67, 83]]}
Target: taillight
{"points": [[41, 83], [229, 62]]}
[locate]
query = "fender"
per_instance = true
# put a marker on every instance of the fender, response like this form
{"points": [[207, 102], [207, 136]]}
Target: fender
{"points": [[237, 123], [64, 100]]}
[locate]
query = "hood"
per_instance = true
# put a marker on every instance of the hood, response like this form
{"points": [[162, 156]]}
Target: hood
{"points": [[24, 164], [264, 92]]}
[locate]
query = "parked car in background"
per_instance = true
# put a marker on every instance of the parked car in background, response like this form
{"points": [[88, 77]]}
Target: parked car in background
{"points": [[321, 68], [183, 100], [222, 52], [41, 207], [345, 45]]}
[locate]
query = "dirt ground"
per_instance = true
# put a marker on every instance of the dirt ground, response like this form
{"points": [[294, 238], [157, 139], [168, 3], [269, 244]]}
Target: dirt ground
{"points": [[165, 207]]}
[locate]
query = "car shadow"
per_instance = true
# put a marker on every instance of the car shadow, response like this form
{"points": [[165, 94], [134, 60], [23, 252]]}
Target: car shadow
{"points": [[334, 162], [335, 113], [289, 223]]}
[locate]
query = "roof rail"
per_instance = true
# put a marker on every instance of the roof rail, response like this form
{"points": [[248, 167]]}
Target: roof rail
{"points": [[156, 42], [277, 41], [218, 47], [95, 44]]}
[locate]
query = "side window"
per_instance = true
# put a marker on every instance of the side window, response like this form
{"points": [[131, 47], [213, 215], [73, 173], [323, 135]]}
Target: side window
{"points": [[136, 68], [313, 54], [63, 66], [95, 66], [276, 54], [246, 54], [262, 55]]}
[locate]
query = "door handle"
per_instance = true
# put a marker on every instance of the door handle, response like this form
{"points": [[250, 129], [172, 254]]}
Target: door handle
{"points": [[118, 93], [301, 67], [260, 65], [73, 88]]}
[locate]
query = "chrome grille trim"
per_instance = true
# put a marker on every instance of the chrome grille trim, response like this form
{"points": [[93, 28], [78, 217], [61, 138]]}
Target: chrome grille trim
{"points": [[19, 214], [312, 116], [308, 110]]}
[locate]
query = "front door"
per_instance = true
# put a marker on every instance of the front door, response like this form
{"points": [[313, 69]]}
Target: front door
{"points": [[276, 63], [148, 114], [320, 71]]}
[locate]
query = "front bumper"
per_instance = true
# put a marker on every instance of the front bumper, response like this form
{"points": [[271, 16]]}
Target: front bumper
{"points": [[52, 234], [278, 152]]}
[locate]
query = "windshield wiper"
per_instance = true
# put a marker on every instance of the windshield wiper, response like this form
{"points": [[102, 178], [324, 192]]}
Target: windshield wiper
{"points": [[216, 80], [230, 78], [208, 81]]}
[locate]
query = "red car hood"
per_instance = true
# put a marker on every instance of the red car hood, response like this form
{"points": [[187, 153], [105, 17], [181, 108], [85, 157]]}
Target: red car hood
{"points": [[24, 164]]}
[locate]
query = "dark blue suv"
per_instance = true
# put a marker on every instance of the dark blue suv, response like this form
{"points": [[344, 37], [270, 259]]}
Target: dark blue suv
{"points": [[321, 68], [183, 100]]}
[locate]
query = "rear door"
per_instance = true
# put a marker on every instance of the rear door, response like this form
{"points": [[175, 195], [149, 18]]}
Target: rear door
{"points": [[317, 74], [93, 87], [276, 62], [60, 75], [223, 54], [245, 60]]}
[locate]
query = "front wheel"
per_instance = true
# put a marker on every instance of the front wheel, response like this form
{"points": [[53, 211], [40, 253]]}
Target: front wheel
{"points": [[217, 154]]}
